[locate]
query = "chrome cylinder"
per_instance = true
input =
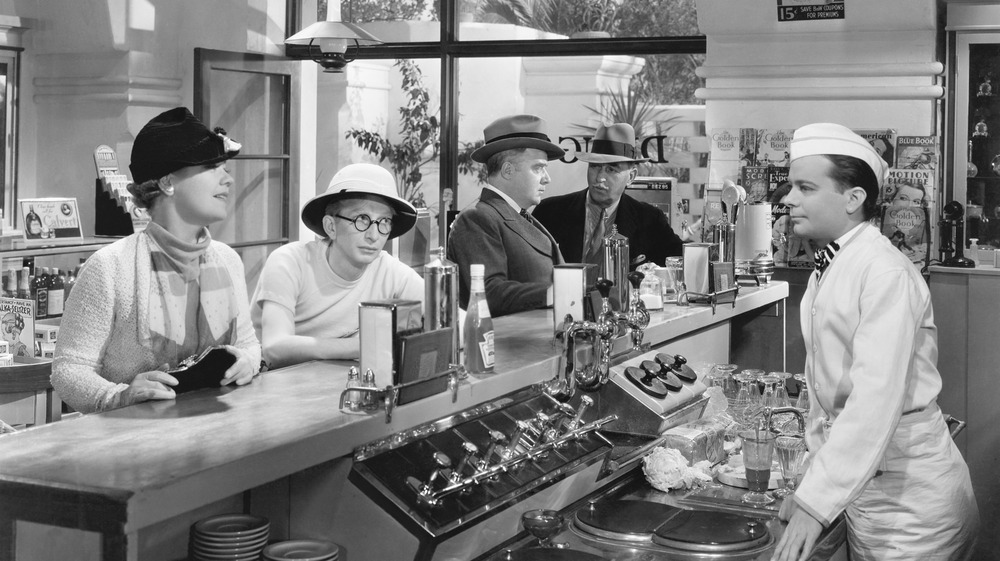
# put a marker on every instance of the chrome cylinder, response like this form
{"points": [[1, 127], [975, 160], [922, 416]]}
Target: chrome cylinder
{"points": [[616, 267], [441, 298]]}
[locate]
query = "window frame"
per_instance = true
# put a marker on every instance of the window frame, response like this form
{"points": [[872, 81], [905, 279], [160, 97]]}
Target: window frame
{"points": [[449, 49]]}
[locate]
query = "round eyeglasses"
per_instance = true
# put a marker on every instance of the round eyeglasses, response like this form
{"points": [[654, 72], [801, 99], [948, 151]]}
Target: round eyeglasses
{"points": [[362, 222]]}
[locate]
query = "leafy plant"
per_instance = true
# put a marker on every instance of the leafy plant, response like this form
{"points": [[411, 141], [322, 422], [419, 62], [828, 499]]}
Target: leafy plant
{"points": [[419, 136], [626, 105], [468, 166]]}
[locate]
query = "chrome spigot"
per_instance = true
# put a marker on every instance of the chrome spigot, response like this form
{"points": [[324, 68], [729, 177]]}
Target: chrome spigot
{"points": [[769, 412], [585, 402], [637, 317], [468, 459]]}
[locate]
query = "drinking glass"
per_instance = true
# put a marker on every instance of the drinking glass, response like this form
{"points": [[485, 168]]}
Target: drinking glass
{"points": [[781, 390], [802, 402], [769, 398], [756, 375], [724, 373], [543, 524], [791, 450], [758, 447], [747, 402]]}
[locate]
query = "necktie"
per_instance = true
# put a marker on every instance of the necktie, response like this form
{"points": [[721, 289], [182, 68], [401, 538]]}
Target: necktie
{"points": [[825, 256], [596, 242]]}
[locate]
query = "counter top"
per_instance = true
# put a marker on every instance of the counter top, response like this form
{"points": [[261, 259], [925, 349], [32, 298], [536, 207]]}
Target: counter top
{"points": [[988, 270], [126, 469]]}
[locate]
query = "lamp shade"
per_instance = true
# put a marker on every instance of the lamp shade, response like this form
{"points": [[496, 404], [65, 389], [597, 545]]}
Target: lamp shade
{"points": [[327, 42], [332, 30]]}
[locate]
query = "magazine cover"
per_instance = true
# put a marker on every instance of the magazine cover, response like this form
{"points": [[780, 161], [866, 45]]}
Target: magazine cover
{"points": [[907, 228], [917, 152], [772, 146], [748, 147], [776, 177], [725, 145], [18, 319], [909, 187], [781, 228], [906, 197], [884, 142], [754, 180]]}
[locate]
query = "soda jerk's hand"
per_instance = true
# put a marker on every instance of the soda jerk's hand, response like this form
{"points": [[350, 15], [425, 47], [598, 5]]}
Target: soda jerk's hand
{"points": [[243, 370], [147, 386], [800, 535]]}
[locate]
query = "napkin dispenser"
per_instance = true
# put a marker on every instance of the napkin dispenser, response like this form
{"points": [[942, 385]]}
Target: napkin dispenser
{"points": [[569, 294], [382, 326]]}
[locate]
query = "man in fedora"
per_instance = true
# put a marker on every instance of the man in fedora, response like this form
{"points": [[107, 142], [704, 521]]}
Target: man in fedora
{"points": [[517, 253], [305, 306], [579, 221]]}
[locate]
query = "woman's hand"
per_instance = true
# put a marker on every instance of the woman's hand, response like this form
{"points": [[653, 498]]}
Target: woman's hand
{"points": [[800, 535], [242, 371], [147, 386]]}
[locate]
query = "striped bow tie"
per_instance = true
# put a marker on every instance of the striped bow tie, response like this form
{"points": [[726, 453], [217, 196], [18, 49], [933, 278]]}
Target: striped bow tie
{"points": [[824, 256]]}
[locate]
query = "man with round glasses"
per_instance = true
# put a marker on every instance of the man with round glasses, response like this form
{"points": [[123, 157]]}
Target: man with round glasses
{"points": [[305, 306]]}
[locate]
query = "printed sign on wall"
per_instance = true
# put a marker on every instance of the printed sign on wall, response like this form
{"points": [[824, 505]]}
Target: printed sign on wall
{"points": [[810, 10]]}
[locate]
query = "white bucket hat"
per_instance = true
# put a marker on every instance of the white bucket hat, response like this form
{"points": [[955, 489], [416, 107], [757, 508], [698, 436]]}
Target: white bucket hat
{"points": [[358, 181]]}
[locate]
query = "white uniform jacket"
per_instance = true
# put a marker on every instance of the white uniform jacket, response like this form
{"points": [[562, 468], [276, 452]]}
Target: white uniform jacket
{"points": [[871, 355]]}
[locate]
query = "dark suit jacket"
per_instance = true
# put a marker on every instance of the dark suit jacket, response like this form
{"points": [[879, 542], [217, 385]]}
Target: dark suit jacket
{"points": [[650, 237], [516, 255]]}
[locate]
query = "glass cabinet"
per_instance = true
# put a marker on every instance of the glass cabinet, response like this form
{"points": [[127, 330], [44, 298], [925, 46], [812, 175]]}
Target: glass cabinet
{"points": [[976, 163]]}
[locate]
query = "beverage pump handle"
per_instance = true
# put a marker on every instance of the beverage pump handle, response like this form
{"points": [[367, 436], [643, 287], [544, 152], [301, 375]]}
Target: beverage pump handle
{"points": [[635, 279], [585, 402], [469, 458], [604, 287]]}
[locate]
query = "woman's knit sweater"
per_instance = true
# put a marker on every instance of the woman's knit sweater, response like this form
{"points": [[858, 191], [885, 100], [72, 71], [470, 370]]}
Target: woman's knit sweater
{"points": [[99, 350]]}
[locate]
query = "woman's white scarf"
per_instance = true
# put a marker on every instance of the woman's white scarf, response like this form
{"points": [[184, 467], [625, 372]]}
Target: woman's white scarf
{"points": [[168, 271]]}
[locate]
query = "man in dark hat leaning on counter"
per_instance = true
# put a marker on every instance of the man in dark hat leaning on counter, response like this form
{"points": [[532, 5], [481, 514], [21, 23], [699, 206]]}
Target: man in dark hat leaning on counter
{"points": [[516, 251], [579, 221], [305, 306]]}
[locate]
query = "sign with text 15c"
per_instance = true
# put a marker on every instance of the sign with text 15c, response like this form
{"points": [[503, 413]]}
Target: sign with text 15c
{"points": [[52, 217], [810, 10]]}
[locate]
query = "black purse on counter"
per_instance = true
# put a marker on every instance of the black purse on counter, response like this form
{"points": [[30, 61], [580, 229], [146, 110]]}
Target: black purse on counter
{"points": [[201, 371]]}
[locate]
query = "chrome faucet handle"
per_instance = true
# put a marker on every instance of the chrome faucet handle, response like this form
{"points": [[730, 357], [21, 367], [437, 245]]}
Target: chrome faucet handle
{"points": [[585, 402], [469, 458], [497, 439], [515, 440]]}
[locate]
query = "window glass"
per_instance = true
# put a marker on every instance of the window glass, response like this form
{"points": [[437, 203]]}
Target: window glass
{"points": [[553, 19], [575, 95]]}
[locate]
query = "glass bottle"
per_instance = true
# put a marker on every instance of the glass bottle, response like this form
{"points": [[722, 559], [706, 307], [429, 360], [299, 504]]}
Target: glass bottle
{"points": [[32, 223], [57, 293], [40, 293], [23, 284], [972, 169], [478, 328], [71, 282], [10, 285]]}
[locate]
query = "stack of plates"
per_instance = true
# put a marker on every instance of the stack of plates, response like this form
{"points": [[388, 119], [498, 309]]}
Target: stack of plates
{"points": [[229, 537], [302, 550]]}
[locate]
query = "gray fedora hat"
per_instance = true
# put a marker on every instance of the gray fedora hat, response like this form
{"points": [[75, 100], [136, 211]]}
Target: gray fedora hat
{"points": [[612, 144], [517, 131]]}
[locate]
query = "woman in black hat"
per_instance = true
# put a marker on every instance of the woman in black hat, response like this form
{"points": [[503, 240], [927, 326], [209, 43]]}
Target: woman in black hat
{"points": [[145, 303]]}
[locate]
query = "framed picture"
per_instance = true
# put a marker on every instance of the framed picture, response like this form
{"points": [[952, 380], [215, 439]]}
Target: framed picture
{"points": [[50, 218]]}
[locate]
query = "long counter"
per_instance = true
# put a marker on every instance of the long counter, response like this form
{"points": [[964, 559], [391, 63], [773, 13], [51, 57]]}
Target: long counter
{"points": [[125, 484]]}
